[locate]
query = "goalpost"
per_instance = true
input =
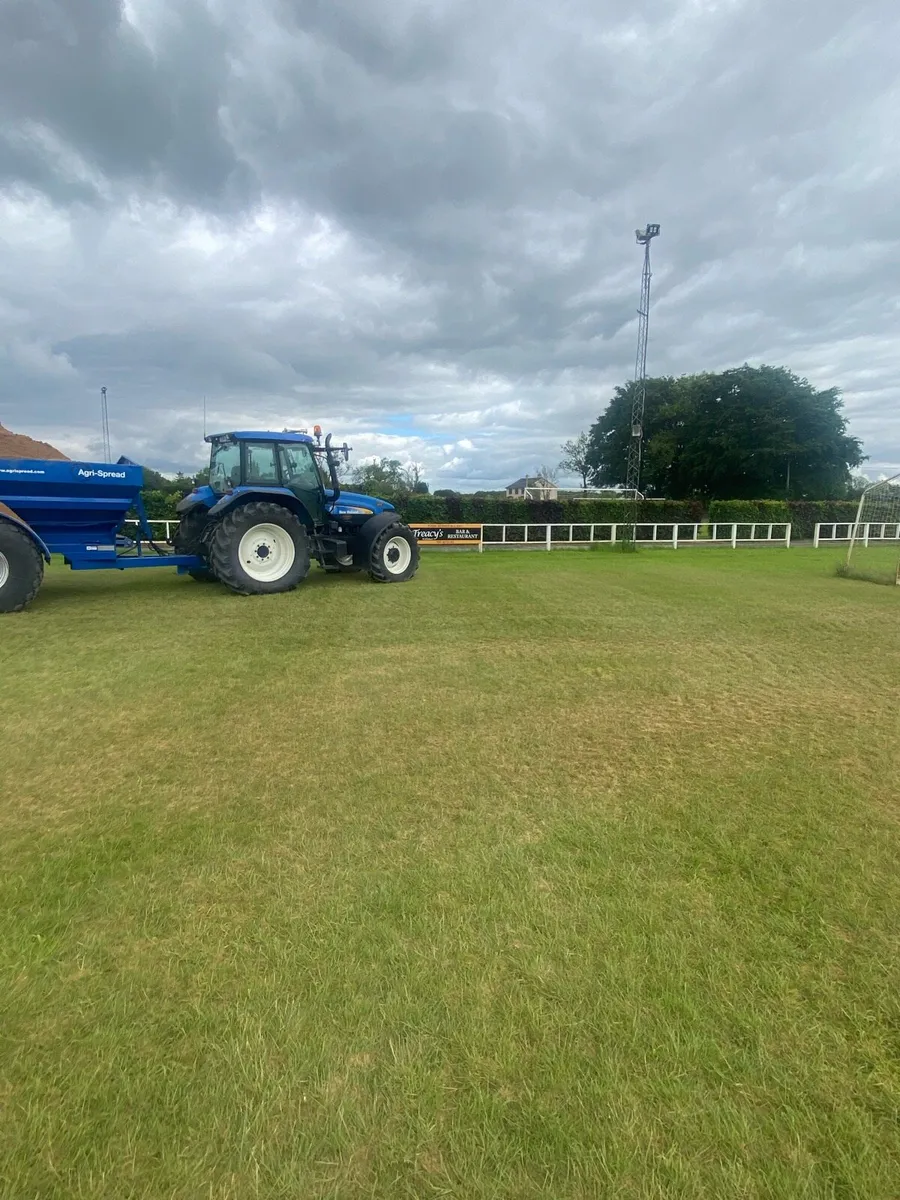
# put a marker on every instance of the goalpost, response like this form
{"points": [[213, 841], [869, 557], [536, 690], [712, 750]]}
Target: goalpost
{"points": [[874, 549]]}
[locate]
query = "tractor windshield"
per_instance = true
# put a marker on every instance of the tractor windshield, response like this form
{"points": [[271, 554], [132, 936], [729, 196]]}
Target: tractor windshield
{"points": [[225, 466]]}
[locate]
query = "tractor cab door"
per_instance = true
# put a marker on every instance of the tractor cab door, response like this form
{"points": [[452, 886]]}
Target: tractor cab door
{"points": [[300, 473]]}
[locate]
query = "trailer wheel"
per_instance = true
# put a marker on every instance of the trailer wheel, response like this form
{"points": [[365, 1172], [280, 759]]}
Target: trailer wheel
{"points": [[259, 548], [21, 568], [190, 538], [394, 556]]}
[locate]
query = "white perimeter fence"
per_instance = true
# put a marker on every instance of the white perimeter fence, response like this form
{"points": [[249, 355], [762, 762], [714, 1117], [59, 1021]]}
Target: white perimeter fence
{"points": [[169, 526], [871, 531], [663, 533]]}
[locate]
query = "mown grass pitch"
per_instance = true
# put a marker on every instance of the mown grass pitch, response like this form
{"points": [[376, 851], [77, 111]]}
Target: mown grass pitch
{"points": [[546, 875]]}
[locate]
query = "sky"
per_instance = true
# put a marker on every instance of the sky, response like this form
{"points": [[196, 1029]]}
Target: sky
{"points": [[412, 221]]}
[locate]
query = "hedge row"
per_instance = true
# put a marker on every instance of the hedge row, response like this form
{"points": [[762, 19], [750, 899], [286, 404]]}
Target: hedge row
{"points": [[806, 513], [485, 510], [802, 514], [749, 510]]}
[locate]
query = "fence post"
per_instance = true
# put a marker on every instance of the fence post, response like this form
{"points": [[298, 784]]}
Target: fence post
{"points": [[753, 532], [526, 534], [734, 536], [816, 536], [549, 528], [675, 536], [481, 539], [866, 534], [613, 536], [571, 531], [696, 533], [787, 536], [503, 535], [592, 533]]}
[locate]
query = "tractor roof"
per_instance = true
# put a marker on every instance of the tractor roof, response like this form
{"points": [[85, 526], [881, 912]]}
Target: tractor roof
{"points": [[257, 435]]}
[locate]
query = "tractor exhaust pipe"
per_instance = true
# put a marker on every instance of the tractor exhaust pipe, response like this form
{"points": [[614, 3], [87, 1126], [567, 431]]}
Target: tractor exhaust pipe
{"points": [[332, 465]]}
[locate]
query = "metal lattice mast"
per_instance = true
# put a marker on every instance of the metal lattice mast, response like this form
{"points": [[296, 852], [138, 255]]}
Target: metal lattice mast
{"points": [[636, 438], [104, 417]]}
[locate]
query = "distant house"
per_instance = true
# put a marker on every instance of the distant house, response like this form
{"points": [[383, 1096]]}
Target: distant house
{"points": [[532, 487]]}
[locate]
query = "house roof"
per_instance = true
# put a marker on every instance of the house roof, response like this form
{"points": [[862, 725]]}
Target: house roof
{"points": [[535, 481]]}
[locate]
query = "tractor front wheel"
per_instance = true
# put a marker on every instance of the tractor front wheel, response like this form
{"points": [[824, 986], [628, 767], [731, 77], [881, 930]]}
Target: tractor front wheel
{"points": [[21, 568], [394, 556], [258, 549]]}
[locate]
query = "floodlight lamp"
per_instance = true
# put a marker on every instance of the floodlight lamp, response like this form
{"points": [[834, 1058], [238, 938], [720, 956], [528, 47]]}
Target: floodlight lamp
{"points": [[643, 236]]}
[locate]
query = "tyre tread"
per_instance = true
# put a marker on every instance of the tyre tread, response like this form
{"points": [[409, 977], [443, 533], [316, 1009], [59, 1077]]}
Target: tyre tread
{"points": [[376, 570], [226, 530], [19, 535]]}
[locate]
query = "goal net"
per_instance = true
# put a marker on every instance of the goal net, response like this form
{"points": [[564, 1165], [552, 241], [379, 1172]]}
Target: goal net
{"points": [[873, 552]]}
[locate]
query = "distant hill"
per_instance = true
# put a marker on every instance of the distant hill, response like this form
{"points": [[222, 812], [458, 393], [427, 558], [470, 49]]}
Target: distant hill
{"points": [[19, 445]]}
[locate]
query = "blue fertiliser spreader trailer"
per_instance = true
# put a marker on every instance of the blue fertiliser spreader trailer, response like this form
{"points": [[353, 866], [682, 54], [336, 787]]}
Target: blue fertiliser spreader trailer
{"points": [[255, 527]]}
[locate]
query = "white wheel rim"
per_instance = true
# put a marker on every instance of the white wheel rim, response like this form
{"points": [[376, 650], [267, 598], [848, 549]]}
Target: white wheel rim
{"points": [[267, 553], [4, 570], [397, 555]]}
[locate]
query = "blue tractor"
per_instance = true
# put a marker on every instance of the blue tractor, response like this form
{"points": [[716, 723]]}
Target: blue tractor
{"points": [[273, 503]]}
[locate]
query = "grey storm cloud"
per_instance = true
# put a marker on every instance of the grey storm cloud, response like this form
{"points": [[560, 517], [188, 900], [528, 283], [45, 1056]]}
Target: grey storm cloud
{"points": [[413, 221]]}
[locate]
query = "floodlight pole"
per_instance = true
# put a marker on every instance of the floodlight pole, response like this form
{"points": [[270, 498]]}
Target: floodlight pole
{"points": [[104, 419], [639, 395]]}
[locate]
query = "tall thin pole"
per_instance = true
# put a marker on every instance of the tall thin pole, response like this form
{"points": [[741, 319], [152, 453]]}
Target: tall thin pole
{"points": [[639, 394], [104, 417]]}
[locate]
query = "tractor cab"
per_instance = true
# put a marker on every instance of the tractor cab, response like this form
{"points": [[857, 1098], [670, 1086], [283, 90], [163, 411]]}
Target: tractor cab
{"points": [[290, 460], [285, 461]]}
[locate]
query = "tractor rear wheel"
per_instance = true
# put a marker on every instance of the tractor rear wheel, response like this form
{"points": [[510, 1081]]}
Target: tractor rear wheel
{"points": [[21, 568], [394, 556], [190, 538], [258, 549]]}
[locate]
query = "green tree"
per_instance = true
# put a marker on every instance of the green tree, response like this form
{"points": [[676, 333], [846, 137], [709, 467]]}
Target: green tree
{"points": [[749, 433], [412, 478], [389, 479], [383, 476], [576, 457]]}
